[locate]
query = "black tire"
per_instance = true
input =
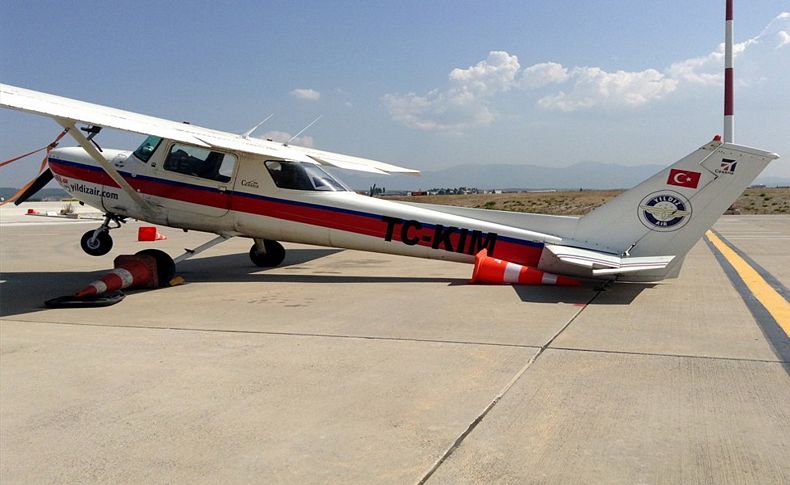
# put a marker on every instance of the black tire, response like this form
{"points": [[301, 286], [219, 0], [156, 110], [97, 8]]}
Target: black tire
{"points": [[100, 246], [165, 266], [104, 299], [275, 254]]}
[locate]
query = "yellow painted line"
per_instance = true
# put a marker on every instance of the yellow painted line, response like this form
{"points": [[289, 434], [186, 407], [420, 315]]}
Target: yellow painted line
{"points": [[775, 303]]}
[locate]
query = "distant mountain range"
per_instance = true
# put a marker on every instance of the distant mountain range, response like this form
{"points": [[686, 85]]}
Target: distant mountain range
{"points": [[590, 175]]}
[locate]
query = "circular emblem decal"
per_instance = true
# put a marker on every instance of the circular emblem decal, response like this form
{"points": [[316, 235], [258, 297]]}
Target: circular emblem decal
{"points": [[664, 211]]}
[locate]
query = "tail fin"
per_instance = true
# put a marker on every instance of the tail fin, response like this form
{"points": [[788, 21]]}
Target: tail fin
{"points": [[669, 212]]}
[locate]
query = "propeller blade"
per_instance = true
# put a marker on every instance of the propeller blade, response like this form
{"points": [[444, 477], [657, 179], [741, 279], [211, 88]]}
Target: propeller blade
{"points": [[37, 184]]}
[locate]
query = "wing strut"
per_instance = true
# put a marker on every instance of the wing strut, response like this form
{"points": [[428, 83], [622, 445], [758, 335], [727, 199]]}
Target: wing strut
{"points": [[192, 252], [90, 148]]}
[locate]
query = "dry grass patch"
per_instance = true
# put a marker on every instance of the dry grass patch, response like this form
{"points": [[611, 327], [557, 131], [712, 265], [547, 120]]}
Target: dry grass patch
{"points": [[752, 201]]}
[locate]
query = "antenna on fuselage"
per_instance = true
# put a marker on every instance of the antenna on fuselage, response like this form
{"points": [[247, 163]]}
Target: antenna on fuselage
{"points": [[249, 132], [729, 100], [303, 130]]}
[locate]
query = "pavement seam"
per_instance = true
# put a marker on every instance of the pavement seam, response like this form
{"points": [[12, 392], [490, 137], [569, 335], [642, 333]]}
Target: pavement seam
{"points": [[659, 354], [471, 427], [284, 334]]}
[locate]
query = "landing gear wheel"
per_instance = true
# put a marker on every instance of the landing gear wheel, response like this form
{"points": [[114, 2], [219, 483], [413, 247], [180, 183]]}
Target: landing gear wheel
{"points": [[98, 246], [165, 266], [275, 253]]}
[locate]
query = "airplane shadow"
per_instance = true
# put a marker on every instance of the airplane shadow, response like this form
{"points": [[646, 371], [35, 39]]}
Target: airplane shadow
{"points": [[621, 294], [25, 292], [236, 268]]}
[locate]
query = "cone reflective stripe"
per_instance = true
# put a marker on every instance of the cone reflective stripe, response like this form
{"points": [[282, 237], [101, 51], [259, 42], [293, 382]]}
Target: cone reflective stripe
{"points": [[497, 271], [130, 271], [149, 233], [116, 279]]}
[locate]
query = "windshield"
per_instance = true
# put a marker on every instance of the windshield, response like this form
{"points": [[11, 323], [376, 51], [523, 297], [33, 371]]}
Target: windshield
{"points": [[303, 176], [147, 148]]}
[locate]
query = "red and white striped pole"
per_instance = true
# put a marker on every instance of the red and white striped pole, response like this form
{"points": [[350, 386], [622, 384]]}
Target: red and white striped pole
{"points": [[729, 101]]}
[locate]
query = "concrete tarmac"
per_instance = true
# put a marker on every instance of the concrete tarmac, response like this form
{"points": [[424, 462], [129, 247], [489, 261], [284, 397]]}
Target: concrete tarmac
{"points": [[353, 367]]}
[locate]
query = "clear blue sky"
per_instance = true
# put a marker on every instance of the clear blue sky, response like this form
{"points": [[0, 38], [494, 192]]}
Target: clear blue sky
{"points": [[421, 84]]}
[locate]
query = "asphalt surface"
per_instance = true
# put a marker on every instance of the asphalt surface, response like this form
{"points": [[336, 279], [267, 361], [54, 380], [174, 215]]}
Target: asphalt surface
{"points": [[352, 367]]}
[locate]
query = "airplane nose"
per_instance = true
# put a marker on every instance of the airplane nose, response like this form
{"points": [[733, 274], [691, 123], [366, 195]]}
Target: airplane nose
{"points": [[69, 154]]}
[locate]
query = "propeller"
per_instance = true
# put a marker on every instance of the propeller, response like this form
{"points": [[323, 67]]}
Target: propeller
{"points": [[34, 186], [44, 176]]}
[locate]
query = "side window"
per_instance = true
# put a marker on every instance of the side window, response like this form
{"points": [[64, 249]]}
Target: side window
{"points": [[302, 176], [147, 148], [288, 175], [200, 162]]}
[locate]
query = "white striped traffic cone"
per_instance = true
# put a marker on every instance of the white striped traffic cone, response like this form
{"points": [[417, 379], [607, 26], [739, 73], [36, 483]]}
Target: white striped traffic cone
{"points": [[499, 272], [138, 271]]}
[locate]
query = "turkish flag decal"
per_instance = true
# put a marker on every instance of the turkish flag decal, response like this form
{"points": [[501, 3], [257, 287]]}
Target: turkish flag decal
{"points": [[683, 178]]}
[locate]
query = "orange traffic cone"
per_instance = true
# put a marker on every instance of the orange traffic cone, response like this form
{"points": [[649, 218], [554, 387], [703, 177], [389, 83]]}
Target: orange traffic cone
{"points": [[149, 233], [137, 271], [500, 272]]}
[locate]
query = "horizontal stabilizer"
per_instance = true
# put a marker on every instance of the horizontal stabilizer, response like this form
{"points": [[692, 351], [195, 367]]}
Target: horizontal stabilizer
{"points": [[607, 264]]}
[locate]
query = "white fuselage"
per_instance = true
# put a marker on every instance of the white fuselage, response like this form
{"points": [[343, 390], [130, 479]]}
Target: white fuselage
{"points": [[251, 205]]}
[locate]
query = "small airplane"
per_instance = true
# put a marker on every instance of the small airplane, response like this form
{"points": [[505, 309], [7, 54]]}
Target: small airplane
{"points": [[195, 178]]}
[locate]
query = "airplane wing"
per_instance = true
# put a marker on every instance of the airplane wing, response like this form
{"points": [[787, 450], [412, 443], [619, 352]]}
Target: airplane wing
{"points": [[73, 111], [607, 264], [352, 163]]}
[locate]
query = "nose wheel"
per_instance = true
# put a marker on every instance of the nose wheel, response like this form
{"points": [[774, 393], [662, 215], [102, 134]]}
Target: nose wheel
{"points": [[99, 242], [96, 244], [266, 253]]}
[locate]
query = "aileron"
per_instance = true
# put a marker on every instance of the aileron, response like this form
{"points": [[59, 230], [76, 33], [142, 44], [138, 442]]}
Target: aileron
{"points": [[353, 163]]}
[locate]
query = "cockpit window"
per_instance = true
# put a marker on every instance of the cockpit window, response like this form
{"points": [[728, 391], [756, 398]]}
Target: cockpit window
{"points": [[303, 176], [147, 148], [200, 162]]}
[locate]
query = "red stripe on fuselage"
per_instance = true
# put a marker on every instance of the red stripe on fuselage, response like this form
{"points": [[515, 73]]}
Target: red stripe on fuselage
{"points": [[81, 173], [145, 185], [373, 225]]}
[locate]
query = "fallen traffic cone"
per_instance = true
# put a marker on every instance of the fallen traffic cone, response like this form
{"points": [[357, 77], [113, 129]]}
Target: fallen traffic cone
{"points": [[137, 271], [149, 233], [499, 272]]}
